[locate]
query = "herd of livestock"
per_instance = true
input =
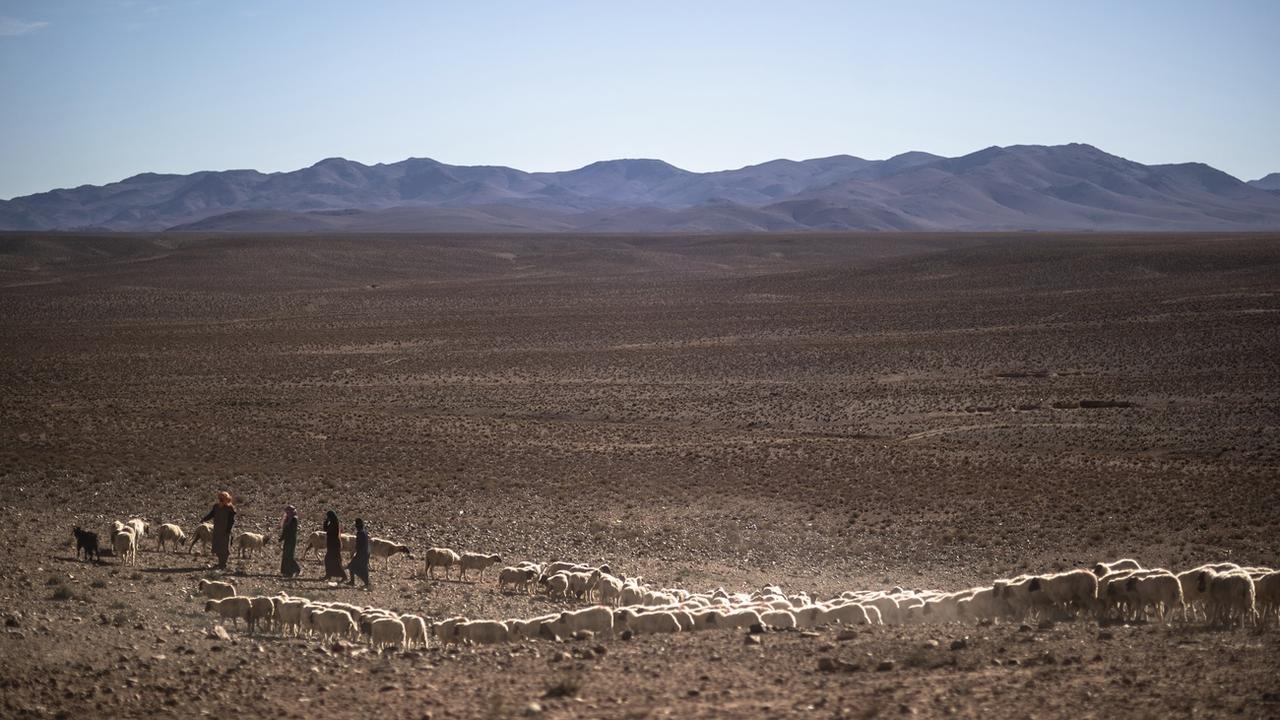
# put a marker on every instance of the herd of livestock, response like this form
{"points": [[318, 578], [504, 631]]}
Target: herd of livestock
{"points": [[597, 602]]}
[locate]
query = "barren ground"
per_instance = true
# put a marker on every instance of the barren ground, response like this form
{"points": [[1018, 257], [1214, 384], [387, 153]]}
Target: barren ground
{"points": [[827, 412]]}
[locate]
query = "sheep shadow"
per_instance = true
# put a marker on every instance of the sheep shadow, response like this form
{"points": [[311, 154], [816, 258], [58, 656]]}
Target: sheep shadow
{"points": [[174, 570]]}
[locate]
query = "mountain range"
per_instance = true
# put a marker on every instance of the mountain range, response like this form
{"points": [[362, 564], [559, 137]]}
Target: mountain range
{"points": [[1020, 187]]}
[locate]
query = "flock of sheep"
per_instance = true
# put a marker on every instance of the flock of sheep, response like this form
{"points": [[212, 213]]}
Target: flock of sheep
{"points": [[1222, 594]]}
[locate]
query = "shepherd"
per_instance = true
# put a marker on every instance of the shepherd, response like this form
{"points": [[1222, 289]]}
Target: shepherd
{"points": [[333, 547], [288, 542], [223, 515]]}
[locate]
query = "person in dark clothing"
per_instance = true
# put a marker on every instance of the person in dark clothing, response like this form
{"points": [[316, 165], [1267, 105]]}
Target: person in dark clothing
{"points": [[359, 566], [223, 515], [289, 566], [333, 547]]}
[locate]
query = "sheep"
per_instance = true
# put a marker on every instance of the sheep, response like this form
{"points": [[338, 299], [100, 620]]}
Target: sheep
{"points": [[981, 605], [1071, 591], [1103, 568], [531, 628], [1159, 591], [332, 622], [846, 613], [517, 577], [235, 608], [481, 632], [609, 590], [289, 613], [582, 584], [597, 619], [557, 585], [170, 533], [248, 543], [633, 594], [646, 623], [317, 541], [886, 606], [216, 589], [440, 557], [203, 534], [778, 619], [124, 545], [1231, 597], [1192, 595], [260, 609], [139, 528], [385, 631], [740, 619], [385, 550], [1267, 597], [415, 630], [444, 629], [476, 561], [562, 566], [87, 542]]}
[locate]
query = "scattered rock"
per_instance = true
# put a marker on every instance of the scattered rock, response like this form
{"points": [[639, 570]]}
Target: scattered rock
{"points": [[885, 666], [532, 708], [584, 635], [845, 635], [1024, 628], [751, 640], [828, 664], [931, 644], [220, 633], [960, 644]]}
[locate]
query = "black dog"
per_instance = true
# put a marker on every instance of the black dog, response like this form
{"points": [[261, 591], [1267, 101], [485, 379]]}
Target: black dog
{"points": [[88, 542]]}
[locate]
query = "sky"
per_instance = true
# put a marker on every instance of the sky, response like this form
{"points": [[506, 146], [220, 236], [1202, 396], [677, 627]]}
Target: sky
{"points": [[93, 91]]}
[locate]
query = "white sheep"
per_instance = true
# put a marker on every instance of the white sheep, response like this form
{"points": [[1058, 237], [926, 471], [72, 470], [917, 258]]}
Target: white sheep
{"points": [[531, 628], [1159, 592], [646, 623], [440, 557], [1230, 597], [848, 613], [235, 608], [778, 619], [203, 534], [415, 631], [169, 533], [444, 629], [248, 543], [317, 541], [557, 585], [332, 622], [581, 584], [385, 549], [476, 561], [289, 613], [124, 545], [1267, 597], [598, 619], [1104, 568], [261, 609], [139, 528], [387, 631], [517, 577], [609, 589], [216, 589], [481, 632]]}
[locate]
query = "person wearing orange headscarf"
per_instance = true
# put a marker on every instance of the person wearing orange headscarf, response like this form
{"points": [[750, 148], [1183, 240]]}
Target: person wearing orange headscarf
{"points": [[223, 515]]}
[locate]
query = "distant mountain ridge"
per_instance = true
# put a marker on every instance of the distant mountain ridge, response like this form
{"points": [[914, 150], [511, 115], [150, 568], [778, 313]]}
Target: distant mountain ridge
{"points": [[1020, 187]]}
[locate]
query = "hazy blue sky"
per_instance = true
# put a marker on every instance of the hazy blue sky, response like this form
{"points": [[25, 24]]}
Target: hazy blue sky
{"points": [[95, 91]]}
